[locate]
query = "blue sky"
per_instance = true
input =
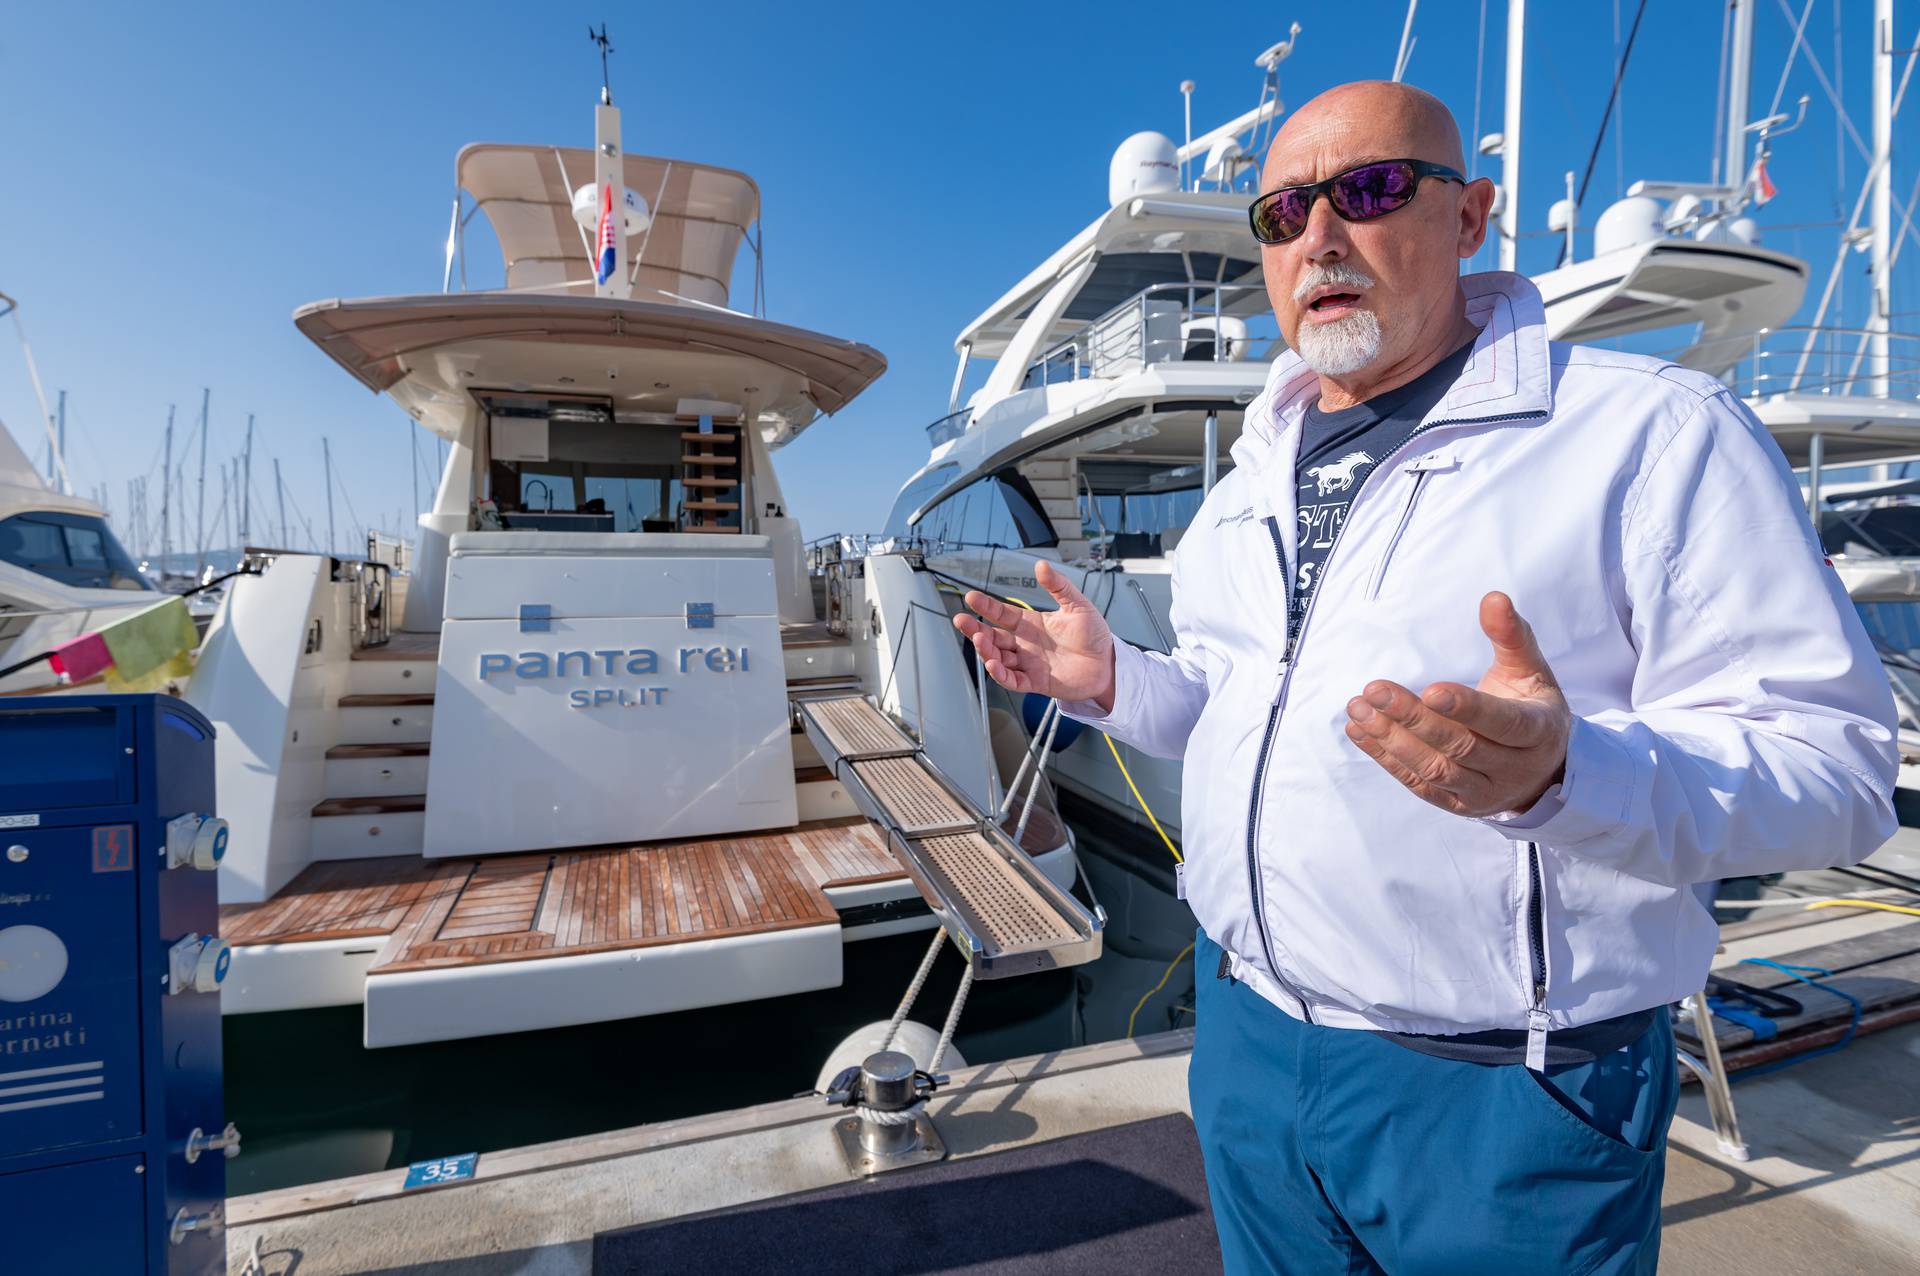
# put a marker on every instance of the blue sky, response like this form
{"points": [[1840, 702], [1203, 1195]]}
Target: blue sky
{"points": [[175, 180]]}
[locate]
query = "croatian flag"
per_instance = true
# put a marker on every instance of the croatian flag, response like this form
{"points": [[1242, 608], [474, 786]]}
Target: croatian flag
{"points": [[606, 237]]}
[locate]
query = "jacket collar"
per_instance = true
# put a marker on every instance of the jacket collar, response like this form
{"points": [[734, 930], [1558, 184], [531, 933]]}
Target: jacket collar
{"points": [[1509, 373]]}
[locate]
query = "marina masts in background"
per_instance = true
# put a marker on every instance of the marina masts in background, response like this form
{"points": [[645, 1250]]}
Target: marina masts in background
{"points": [[326, 456], [166, 496], [200, 519], [246, 486], [280, 498]]}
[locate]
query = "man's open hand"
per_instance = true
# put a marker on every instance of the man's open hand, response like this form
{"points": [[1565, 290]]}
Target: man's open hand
{"points": [[1066, 653], [1474, 752]]}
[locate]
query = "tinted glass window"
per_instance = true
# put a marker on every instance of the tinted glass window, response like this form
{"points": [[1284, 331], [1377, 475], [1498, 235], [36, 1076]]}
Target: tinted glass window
{"points": [[74, 549], [916, 494], [1000, 510], [28, 542], [1031, 526], [87, 547]]}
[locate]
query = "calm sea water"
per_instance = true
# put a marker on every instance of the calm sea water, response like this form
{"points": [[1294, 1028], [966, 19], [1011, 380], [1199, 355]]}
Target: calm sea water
{"points": [[313, 1104]]}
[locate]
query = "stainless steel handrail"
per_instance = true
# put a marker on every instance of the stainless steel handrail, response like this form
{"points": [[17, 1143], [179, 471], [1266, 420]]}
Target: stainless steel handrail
{"points": [[1826, 359], [1118, 341]]}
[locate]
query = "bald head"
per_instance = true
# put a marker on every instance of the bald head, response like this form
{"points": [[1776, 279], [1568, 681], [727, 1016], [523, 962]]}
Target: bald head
{"points": [[1365, 120], [1370, 297]]}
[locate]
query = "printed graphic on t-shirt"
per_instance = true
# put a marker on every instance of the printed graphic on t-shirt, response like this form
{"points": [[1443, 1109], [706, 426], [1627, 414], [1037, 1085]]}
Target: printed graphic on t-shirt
{"points": [[1340, 475]]}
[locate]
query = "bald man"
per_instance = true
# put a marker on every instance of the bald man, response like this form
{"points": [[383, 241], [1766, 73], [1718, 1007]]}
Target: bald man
{"points": [[1451, 865]]}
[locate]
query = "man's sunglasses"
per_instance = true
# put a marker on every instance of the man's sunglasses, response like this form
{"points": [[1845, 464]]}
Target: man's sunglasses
{"points": [[1359, 195]]}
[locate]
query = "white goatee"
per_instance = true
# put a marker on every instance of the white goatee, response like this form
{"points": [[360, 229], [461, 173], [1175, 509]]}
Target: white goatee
{"points": [[1345, 345]]}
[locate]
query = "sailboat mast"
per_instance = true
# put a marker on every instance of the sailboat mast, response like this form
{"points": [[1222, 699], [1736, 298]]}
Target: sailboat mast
{"points": [[246, 486], [1510, 137], [200, 518], [326, 453], [57, 461], [166, 497], [1881, 316]]}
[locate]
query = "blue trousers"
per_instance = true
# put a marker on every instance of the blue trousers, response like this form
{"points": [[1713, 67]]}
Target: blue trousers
{"points": [[1330, 1150]]}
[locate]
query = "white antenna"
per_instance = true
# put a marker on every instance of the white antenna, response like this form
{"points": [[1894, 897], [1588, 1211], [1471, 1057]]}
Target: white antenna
{"points": [[1186, 96], [1407, 41]]}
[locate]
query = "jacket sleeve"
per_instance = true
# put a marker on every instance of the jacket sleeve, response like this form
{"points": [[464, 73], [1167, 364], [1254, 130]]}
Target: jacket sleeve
{"points": [[1157, 697], [1760, 737]]}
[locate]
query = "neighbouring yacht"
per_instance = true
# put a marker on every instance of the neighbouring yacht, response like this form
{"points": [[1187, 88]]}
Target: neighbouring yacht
{"points": [[63, 573], [608, 761]]}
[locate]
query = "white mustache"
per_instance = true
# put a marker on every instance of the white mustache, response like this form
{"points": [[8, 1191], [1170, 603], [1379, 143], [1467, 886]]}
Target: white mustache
{"points": [[1337, 275]]}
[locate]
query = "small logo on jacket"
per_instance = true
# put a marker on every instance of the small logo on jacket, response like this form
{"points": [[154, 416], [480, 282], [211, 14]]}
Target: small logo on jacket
{"points": [[1338, 476], [1241, 517]]}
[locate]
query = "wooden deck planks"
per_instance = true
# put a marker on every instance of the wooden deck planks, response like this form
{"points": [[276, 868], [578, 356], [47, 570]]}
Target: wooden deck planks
{"points": [[447, 912]]}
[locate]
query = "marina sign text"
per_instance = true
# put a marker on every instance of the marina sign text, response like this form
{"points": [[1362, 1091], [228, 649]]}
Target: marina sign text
{"points": [[643, 662]]}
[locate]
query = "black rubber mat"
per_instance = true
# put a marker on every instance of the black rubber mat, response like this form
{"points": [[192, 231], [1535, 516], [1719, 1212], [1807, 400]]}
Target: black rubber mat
{"points": [[1128, 1199]]}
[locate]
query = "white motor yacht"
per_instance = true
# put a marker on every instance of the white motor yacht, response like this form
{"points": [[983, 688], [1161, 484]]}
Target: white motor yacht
{"points": [[63, 573], [608, 762]]}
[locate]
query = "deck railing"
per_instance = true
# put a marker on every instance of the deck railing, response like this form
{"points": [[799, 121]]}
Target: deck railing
{"points": [[1164, 323], [1829, 361], [950, 426]]}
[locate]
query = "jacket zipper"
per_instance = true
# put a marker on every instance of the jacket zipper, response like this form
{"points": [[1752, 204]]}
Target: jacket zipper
{"points": [[1406, 516], [1537, 952], [1296, 629], [1260, 775]]}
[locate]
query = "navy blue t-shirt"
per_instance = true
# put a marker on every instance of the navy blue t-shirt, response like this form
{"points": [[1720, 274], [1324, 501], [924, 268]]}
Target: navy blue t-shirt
{"points": [[1338, 450]]}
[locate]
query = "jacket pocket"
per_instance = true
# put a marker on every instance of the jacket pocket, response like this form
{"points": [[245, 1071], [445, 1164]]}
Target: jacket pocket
{"points": [[1399, 530]]}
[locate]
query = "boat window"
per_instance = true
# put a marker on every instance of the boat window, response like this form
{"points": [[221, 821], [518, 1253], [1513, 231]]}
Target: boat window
{"points": [[1129, 504], [1000, 511], [590, 476], [74, 549], [915, 495]]}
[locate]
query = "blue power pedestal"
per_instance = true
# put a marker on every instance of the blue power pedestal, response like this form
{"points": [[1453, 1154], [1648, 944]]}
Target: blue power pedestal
{"points": [[112, 1141]]}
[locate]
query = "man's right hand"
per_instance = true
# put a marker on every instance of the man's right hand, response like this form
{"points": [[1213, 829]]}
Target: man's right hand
{"points": [[1066, 654]]}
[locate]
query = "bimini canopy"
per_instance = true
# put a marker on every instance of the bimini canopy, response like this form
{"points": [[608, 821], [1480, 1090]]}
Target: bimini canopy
{"points": [[700, 214], [435, 349]]}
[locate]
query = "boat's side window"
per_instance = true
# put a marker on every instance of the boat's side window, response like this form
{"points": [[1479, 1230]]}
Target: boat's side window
{"points": [[913, 496], [1031, 524], [998, 511], [74, 549]]}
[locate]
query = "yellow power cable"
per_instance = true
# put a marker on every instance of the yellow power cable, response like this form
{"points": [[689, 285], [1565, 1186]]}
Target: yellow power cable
{"points": [[1164, 976], [1135, 789], [1866, 903]]}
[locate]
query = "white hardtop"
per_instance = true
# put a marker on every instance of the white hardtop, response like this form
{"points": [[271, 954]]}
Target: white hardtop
{"points": [[1210, 223]]}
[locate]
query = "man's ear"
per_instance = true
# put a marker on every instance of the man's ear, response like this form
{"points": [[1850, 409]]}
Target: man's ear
{"points": [[1476, 206]]}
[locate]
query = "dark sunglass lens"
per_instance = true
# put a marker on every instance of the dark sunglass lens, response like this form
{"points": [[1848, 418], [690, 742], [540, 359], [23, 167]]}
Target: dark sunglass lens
{"points": [[1280, 216], [1374, 190]]}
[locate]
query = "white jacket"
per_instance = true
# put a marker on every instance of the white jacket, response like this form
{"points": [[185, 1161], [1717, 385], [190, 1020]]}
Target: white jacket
{"points": [[1731, 716]]}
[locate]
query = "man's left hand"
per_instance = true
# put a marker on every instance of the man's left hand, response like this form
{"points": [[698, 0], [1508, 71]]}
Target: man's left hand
{"points": [[1473, 751]]}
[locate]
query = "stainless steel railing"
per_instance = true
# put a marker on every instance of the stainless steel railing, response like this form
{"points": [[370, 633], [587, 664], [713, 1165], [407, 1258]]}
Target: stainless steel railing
{"points": [[1164, 323], [1827, 360]]}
